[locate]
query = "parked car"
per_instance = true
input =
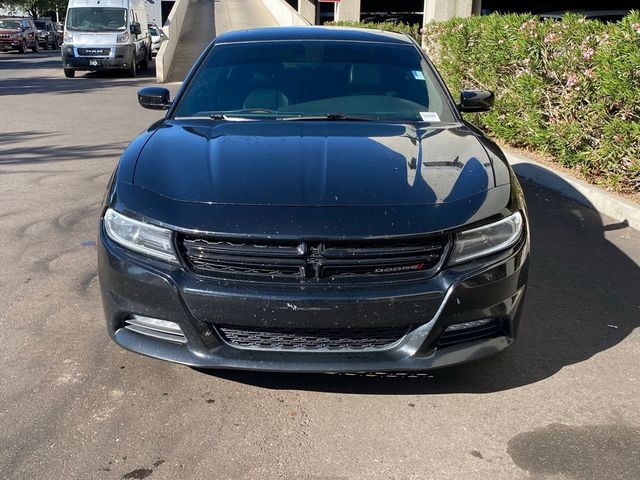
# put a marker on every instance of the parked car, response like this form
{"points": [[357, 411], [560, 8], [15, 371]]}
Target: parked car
{"points": [[156, 38], [101, 36], [602, 15], [47, 33], [18, 34], [314, 200]]}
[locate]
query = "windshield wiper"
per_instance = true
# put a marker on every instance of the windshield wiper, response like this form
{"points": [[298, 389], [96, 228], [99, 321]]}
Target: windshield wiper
{"points": [[330, 116], [230, 117]]}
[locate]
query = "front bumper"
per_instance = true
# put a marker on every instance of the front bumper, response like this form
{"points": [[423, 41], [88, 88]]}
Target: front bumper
{"points": [[7, 44], [121, 56], [135, 285]]}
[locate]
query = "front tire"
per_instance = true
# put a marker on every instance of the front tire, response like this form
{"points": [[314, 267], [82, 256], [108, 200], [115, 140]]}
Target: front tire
{"points": [[22, 48], [36, 47], [145, 63], [132, 71], [69, 72]]}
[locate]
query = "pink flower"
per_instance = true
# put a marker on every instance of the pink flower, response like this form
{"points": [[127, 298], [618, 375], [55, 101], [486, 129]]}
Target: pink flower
{"points": [[636, 27], [572, 81], [588, 73], [588, 53], [551, 38]]}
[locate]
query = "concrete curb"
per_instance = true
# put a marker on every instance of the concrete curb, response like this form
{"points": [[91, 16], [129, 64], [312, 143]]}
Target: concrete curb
{"points": [[616, 207]]}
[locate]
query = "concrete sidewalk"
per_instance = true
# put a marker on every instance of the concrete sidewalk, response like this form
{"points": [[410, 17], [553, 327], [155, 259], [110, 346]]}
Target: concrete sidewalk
{"points": [[197, 32], [207, 18], [241, 14]]}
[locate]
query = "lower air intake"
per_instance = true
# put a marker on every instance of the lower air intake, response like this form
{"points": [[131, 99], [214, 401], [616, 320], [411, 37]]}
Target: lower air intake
{"points": [[312, 339]]}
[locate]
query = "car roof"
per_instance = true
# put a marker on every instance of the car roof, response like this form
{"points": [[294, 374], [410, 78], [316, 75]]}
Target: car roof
{"points": [[313, 33]]}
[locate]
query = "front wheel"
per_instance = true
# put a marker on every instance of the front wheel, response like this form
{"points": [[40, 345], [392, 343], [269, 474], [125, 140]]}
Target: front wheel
{"points": [[145, 63], [55, 44], [46, 44], [132, 71], [36, 47], [22, 48], [69, 72]]}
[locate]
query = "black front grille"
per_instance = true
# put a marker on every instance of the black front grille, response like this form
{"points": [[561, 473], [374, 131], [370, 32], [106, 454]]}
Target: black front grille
{"points": [[312, 260], [92, 52], [312, 339]]}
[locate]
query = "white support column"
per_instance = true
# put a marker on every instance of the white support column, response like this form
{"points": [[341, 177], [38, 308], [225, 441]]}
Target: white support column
{"points": [[438, 10], [307, 8], [348, 10]]}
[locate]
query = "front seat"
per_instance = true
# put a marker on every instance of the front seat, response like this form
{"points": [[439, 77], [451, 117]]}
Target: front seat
{"points": [[266, 98], [365, 79]]}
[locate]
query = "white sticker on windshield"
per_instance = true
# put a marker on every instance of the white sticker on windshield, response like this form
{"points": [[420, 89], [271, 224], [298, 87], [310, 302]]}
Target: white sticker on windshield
{"points": [[430, 116], [417, 74]]}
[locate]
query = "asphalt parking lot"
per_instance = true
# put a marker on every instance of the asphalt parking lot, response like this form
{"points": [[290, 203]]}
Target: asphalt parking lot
{"points": [[562, 403]]}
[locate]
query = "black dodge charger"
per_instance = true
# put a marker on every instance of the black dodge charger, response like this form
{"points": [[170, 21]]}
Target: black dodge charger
{"points": [[313, 201]]}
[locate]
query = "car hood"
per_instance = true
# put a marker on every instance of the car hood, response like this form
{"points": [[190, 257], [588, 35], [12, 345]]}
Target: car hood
{"points": [[313, 164], [5, 31]]}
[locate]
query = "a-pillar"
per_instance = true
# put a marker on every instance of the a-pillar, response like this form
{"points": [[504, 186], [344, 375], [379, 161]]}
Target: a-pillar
{"points": [[307, 8], [438, 10], [348, 10]]}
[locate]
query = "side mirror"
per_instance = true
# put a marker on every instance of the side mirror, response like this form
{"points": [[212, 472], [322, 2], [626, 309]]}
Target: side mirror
{"points": [[154, 98], [476, 101], [136, 29]]}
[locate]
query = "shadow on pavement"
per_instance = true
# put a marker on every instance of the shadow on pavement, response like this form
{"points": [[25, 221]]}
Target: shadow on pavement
{"points": [[14, 84], [27, 155], [583, 299]]}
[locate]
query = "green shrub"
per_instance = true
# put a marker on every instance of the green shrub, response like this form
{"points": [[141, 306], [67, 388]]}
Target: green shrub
{"points": [[569, 89]]}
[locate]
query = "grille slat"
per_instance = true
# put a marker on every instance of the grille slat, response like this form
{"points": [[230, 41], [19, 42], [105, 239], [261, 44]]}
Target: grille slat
{"points": [[312, 339], [312, 261], [88, 52]]}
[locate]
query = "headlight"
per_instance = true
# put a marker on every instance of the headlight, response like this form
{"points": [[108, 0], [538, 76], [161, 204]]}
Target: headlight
{"points": [[486, 240], [139, 236], [68, 37], [123, 37]]}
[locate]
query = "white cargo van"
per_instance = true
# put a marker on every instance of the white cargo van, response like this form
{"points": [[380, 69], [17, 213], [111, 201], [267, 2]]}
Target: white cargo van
{"points": [[106, 35]]}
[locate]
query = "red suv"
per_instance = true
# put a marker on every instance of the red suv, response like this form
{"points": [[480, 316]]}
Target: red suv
{"points": [[18, 34]]}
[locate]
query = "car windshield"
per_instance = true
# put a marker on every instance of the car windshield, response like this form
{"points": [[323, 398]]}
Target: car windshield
{"points": [[10, 24], [97, 19], [153, 31], [367, 80], [40, 24]]}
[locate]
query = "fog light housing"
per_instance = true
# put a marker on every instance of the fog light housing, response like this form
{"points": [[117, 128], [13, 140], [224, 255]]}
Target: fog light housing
{"points": [[468, 325], [474, 330], [155, 328]]}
